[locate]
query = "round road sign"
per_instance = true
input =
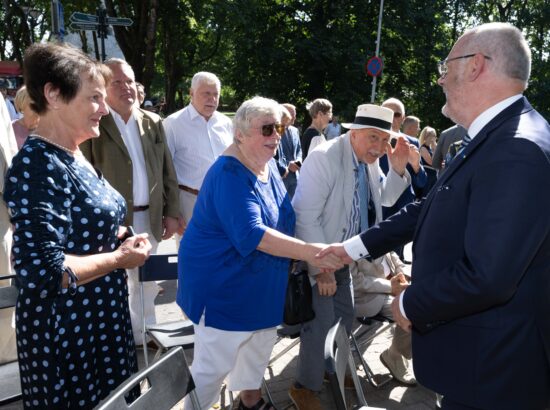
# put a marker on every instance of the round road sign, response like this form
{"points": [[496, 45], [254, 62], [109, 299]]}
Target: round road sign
{"points": [[374, 66]]}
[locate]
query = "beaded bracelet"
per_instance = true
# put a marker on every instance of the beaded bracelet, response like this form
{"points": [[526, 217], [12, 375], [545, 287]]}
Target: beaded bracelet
{"points": [[73, 279]]}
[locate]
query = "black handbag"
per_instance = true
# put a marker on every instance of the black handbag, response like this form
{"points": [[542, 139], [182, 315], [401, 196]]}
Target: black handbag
{"points": [[298, 303]]}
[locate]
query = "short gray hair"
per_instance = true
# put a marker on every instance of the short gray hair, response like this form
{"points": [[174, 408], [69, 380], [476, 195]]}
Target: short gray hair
{"points": [[507, 47], [319, 105], [118, 61], [409, 120], [394, 101], [204, 77], [252, 109]]}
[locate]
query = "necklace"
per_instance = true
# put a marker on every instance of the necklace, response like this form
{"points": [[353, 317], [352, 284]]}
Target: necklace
{"points": [[55, 144]]}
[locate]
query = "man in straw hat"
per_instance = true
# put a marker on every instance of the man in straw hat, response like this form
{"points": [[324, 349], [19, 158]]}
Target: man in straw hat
{"points": [[341, 191]]}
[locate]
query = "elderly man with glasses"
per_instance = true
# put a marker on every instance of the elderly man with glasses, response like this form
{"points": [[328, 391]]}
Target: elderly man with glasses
{"points": [[478, 305]]}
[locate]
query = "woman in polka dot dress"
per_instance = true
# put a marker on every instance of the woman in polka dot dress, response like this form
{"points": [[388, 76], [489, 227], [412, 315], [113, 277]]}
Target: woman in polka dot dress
{"points": [[74, 336]]}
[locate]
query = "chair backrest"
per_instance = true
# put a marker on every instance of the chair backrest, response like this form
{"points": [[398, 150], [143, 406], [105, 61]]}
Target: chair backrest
{"points": [[8, 294], [159, 267], [338, 358], [169, 381]]}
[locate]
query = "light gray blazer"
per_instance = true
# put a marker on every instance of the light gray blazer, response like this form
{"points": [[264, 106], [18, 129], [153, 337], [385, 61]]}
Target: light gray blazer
{"points": [[324, 196]]}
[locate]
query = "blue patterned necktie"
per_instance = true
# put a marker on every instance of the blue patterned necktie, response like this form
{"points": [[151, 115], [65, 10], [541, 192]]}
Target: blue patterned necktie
{"points": [[366, 207], [465, 141]]}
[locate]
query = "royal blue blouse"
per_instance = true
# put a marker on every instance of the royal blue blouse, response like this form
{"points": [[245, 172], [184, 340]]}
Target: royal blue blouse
{"points": [[221, 273]]}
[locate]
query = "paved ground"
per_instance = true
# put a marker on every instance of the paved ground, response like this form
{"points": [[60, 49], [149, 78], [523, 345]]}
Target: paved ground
{"points": [[280, 375]]}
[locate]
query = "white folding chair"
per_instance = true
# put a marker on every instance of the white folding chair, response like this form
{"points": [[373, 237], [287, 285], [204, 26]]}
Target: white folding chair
{"points": [[338, 358], [168, 334], [162, 385]]}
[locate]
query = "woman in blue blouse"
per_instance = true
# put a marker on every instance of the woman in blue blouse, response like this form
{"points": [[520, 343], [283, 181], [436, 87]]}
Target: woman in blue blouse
{"points": [[234, 259]]}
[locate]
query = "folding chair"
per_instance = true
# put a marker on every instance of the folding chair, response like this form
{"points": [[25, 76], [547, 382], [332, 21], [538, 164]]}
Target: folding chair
{"points": [[283, 332], [168, 381], [338, 358], [169, 334], [10, 387], [367, 324]]}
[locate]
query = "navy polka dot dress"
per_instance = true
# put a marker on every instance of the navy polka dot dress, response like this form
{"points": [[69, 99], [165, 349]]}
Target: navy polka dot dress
{"points": [[73, 347]]}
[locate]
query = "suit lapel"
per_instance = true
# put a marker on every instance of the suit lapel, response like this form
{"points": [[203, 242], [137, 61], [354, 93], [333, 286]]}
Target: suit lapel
{"points": [[144, 126], [517, 108], [109, 129], [349, 172]]}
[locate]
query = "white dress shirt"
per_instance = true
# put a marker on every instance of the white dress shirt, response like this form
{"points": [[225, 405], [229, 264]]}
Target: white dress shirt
{"points": [[196, 143], [132, 139]]}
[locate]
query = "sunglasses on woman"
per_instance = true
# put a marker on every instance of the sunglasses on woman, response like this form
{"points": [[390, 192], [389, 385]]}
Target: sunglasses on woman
{"points": [[267, 129]]}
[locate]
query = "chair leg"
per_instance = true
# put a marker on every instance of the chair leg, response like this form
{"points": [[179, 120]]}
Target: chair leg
{"points": [[366, 368]]}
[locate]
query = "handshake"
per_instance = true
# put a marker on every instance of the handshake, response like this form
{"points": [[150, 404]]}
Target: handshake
{"points": [[327, 258]]}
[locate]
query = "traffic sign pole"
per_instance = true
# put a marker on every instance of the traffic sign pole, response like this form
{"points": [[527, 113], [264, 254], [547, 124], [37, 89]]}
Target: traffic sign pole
{"points": [[373, 93], [99, 23]]}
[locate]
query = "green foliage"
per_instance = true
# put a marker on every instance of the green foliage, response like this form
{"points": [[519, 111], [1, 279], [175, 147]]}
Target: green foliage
{"points": [[298, 50]]}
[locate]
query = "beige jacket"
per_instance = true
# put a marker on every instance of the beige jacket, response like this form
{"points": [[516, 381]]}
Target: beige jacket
{"points": [[370, 286]]}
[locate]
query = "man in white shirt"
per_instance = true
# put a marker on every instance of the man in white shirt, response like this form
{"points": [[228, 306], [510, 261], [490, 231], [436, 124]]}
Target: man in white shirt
{"points": [[132, 154], [196, 136]]}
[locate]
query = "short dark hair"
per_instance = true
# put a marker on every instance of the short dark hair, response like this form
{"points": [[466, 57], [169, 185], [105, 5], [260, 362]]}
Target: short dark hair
{"points": [[60, 65]]}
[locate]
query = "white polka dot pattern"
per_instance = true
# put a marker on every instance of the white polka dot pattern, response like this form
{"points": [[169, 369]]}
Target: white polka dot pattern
{"points": [[73, 349]]}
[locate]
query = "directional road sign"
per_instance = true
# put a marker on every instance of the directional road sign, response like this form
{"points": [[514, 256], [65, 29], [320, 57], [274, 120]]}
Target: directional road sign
{"points": [[78, 17], [119, 21], [84, 26], [374, 66]]}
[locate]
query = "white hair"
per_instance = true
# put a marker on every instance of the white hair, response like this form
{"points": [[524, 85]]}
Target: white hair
{"points": [[204, 77], [254, 108]]}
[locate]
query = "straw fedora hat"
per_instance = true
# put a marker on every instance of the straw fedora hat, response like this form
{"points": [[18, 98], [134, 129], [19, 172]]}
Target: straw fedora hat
{"points": [[372, 116]]}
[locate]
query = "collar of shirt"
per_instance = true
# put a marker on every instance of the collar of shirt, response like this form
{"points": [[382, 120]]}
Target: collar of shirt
{"points": [[486, 116], [194, 114], [118, 119]]}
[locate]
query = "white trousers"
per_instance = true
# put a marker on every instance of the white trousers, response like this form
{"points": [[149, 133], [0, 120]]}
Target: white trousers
{"points": [[141, 224], [242, 357]]}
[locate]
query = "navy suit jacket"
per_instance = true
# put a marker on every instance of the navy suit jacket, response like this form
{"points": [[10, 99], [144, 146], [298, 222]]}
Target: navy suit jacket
{"points": [[289, 150], [479, 300]]}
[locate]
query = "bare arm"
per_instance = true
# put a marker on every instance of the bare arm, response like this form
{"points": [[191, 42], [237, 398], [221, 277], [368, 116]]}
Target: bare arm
{"points": [[130, 254], [426, 155], [278, 244]]}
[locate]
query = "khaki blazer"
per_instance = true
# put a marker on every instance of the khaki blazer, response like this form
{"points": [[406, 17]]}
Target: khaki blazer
{"points": [[109, 154]]}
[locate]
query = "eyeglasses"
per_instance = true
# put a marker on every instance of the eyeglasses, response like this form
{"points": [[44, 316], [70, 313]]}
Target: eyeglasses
{"points": [[442, 65], [267, 129], [397, 114]]}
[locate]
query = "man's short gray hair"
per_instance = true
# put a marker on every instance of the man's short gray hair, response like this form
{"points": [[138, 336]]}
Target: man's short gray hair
{"points": [[204, 77], [507, 47], [254, 108]]}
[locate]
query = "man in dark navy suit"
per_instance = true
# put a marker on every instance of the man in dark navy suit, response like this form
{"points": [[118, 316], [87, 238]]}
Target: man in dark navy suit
{"points": [[479, 302]]}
